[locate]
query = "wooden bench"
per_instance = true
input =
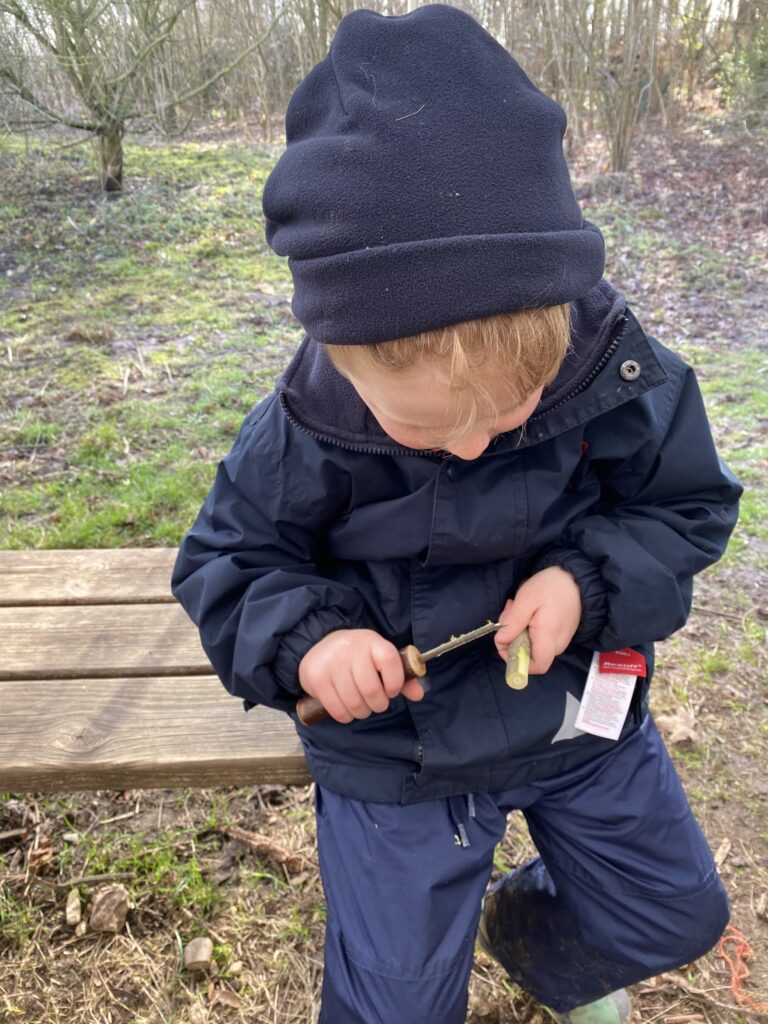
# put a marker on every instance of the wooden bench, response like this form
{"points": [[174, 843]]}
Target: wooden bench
{"points": [[103, 683]]}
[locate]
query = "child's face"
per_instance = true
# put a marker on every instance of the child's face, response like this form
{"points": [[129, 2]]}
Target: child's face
{"points": [[418, 409]]}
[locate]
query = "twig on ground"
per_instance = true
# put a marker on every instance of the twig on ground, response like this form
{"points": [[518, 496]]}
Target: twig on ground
{"points": [[698, 993], [85, 880], [718, 613], [267, 847], [15, 833]]}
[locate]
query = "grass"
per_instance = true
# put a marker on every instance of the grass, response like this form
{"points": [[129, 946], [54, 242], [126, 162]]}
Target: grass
{"points": [[134, 338], [640, 235], [166, 870], [137, 333]]}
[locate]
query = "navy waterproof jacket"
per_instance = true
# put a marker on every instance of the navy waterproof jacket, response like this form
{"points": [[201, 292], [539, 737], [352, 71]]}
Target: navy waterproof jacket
{"points": [[318, 521]]}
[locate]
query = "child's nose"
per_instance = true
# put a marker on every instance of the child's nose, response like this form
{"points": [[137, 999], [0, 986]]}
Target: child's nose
{"points": [[472, 447]]}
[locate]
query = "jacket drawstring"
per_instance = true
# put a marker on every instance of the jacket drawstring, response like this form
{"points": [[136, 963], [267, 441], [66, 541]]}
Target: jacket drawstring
{"points": [[460, 836]]}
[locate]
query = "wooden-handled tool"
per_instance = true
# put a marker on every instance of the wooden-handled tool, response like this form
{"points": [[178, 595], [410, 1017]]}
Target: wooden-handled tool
{"points": [[310, 710]]}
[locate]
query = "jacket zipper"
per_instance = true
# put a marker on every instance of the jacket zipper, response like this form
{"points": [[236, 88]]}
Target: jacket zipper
{"points": [[370, 450], [349, 445]]}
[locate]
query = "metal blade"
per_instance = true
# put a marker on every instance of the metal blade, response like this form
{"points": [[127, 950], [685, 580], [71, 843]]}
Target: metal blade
{"points": [[459, 641]]}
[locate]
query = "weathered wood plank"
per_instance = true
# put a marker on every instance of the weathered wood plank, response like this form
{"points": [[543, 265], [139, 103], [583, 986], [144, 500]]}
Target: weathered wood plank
{"points": [[98, 641], [104, 576], [68, 734]]}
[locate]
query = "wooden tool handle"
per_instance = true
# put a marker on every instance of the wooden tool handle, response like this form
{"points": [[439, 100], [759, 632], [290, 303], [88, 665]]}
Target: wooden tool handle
{"points": [[310, 710]]}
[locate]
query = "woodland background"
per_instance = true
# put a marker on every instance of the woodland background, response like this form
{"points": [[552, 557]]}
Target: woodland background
{"points": [[103, 68]]}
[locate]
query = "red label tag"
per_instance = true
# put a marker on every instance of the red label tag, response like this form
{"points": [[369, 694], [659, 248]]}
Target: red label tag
{"points": [[623, 662]]}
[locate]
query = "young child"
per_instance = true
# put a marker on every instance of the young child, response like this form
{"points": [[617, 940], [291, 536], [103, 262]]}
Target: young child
{"points": [[475, 428]]}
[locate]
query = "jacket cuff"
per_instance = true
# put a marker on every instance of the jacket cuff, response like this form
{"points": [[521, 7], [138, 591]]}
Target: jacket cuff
{"points": [[295, 645], [594, 599]]}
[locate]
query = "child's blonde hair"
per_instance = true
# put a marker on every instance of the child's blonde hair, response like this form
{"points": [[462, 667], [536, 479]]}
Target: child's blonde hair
{"points": [[515, 352]]}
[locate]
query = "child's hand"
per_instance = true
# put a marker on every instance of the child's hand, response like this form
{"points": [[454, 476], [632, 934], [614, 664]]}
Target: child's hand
{"points": [[549, 604], [353, 672]]}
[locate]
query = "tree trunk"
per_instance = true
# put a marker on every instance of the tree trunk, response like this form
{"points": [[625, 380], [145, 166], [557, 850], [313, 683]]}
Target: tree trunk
{"points": [[170, 119], [111, 157]]}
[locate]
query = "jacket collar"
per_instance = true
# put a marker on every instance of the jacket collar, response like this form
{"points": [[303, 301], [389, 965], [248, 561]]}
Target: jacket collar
{"points": [[604, 336]]}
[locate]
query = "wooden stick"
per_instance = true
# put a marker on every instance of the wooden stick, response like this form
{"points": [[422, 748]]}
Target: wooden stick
{"points": [[518, 658]]}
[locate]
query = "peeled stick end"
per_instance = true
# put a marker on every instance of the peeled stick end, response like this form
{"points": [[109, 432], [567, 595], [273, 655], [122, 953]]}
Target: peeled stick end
{"points": [[518, 659]]}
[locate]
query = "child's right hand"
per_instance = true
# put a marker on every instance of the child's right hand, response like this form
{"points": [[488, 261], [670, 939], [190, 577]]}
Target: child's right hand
{"points": [[354, 672]]}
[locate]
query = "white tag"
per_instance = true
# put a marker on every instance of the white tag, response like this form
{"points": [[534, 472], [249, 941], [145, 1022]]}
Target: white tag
{"points": [[604, 706]]}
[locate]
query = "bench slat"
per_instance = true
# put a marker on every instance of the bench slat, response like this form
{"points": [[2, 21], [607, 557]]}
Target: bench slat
{"points": [[68, 734], [98, 641], [104, 576]]}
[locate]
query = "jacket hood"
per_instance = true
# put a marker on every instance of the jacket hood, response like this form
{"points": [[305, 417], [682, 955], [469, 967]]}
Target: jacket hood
{"points": [[319, 399]]}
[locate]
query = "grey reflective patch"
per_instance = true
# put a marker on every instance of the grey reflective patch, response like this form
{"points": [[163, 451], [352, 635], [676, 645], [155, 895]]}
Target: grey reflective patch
{"points": [[568, 730]]}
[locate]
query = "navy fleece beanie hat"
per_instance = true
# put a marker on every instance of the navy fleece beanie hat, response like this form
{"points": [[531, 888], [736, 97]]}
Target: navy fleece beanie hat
{"points": [[424, 183]]}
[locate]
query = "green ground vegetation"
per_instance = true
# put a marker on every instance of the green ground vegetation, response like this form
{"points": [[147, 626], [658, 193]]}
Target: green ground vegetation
{"points": [[134, 336], [136, 333]]}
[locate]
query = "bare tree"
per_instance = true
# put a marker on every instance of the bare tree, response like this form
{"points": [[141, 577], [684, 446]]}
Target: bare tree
{"points": [[99, 65], [625, 75], [100, 52], [102, 56]]}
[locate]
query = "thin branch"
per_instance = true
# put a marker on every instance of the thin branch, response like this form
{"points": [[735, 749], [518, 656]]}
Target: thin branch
{"points": [[178, 100], [335, 9], [153, 43], [24, 94], [85, 880], [17, 12], [141, 57]]}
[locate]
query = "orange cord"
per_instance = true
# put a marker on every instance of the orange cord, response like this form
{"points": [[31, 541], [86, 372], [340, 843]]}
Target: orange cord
{"points": [[738, 968]]}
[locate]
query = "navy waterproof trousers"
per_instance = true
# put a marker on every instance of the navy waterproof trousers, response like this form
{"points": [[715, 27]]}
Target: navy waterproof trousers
{"points": [[625, 887]]}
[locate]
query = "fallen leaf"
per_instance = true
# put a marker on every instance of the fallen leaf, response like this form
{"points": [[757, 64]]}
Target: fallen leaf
{"points": [[226, 873], [226, 998], [678, 728], [42, 854]]}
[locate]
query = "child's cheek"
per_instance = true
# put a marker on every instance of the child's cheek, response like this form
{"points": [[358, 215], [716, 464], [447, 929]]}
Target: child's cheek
{"points": [[409, 439]]}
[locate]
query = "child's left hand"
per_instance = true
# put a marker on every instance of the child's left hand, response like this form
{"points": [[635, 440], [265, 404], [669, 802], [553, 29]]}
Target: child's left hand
{"points": [[549, 604]]}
